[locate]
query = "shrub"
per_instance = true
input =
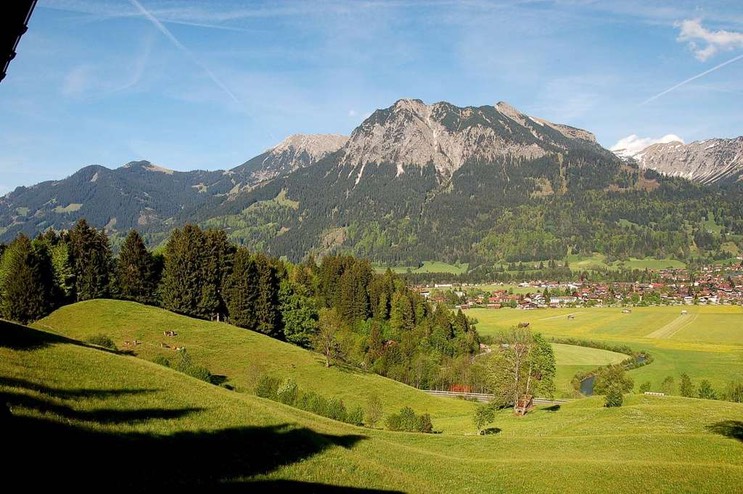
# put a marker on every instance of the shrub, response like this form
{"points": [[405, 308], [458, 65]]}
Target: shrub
{"points": [[102, 340], [424, 424], [614, 397], [407, 420], [198, 372], [393, 422], [186, 366], [705, 390], [287, 392], [484, 415], [686, 388], [336, 410], [267, 387], [644, 387], [374, 409]]}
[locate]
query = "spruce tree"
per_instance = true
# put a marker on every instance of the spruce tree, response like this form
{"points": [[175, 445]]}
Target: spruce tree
{"points": [[135, 270], [90, 256], [216, 262], [241, 290], [28, 281], [267, 314], [181, 286]]}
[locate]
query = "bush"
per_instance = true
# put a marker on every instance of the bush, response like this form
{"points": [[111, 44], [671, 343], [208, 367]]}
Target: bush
{"points": [[186, 366], [287, 392], [424, 424], [198, 372], [484, 415], [374, 409], [408, 421], [102, 340], [336, 410], [705, 390], [686, 388], [267, 387], [614, 397], [644, 387]]}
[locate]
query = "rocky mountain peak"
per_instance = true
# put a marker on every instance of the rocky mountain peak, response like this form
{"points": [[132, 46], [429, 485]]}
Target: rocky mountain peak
{"points": [[708, 161], [413, 134], [294, 152]]}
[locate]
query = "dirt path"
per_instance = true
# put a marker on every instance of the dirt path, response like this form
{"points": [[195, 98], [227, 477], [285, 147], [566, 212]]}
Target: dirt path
{"points": [[673, 327]]}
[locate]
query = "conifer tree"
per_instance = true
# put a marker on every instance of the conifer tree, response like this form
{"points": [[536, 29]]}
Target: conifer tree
{"points": [[216, 261], [181, 284], [268, 318], [90, 258], [241, 290], [27, 282], [135, 270]]}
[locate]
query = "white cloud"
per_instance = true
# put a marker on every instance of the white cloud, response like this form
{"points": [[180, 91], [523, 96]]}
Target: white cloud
{"points": [[632, 145], [705, 43], [352, 112]]}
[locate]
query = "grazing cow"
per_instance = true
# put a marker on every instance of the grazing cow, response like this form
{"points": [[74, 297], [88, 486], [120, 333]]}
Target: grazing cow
{"points": [[523, 324], [169, 332], [180, 349], [571, 316], [164, 345]]}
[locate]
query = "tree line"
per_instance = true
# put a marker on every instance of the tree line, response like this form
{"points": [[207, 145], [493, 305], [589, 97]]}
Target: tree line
{"points": [[339, 306]]}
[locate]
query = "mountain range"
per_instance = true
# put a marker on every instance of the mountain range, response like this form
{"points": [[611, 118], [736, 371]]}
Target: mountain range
{"points": [[415, 182], [710, 161]]}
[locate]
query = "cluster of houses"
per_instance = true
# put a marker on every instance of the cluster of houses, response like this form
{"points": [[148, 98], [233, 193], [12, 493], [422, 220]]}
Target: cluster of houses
{"points": [[710, 285]]}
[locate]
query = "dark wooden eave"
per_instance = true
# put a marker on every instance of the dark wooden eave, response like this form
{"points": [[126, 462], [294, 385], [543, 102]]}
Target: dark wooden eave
{"points": [[14, 24]]}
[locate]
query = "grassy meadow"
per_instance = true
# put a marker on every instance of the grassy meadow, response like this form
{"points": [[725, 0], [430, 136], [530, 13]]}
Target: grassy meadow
{"points": [[705, 343], [140, 425], [242, 356]]}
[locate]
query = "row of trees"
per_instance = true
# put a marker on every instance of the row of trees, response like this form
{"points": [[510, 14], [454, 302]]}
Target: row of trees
{"points": [[340, 307]]}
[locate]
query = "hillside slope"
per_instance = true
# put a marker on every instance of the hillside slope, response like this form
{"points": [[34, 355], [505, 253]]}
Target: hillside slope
{"points": [[242, 356], [139, 425]]}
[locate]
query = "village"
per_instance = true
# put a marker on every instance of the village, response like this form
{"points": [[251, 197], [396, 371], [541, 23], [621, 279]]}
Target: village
{"points": [[710, 285]]}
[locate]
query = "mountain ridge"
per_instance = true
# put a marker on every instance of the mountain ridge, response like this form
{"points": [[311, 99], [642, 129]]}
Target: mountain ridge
{"points": [[412, 182]]}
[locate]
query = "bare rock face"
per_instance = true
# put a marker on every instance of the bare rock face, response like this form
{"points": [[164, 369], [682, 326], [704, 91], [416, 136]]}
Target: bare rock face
{"points": [[294, 152], [709, 161], [413, 134]]}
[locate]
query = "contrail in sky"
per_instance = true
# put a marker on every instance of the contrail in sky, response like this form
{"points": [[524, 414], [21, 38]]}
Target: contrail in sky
{"points": [[166, 32], [716, 67]]}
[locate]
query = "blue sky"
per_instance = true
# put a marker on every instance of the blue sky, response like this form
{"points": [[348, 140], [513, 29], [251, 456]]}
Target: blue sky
{"points": [[210, 84]]}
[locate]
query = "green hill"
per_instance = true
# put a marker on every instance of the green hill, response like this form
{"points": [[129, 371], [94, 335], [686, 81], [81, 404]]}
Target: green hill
{"points": [[242, 356], [84, 417]]}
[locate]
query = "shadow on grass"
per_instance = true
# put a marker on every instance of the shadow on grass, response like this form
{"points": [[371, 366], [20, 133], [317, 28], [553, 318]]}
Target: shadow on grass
{"points": [[490, 430], [48, 451], [553, 408], [728, 428], [70, 394], [17, 337], [99, 416]]}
